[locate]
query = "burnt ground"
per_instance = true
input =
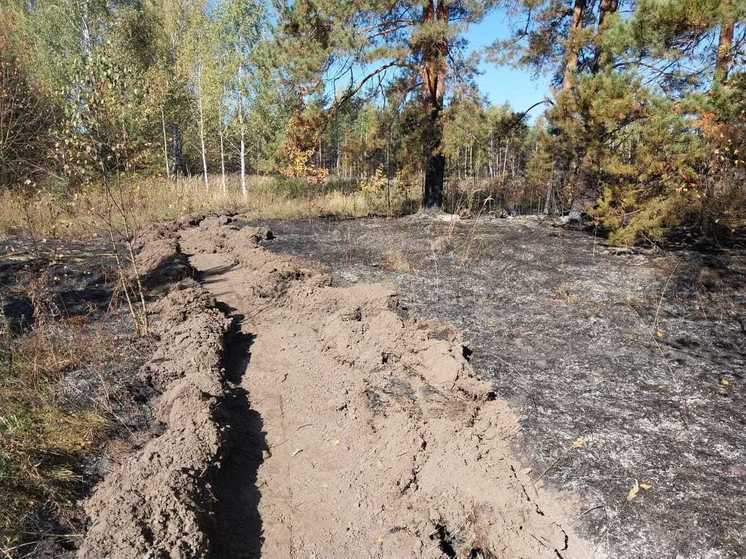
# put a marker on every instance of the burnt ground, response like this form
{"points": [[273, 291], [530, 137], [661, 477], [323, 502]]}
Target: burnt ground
{"points": [[74, 277], [61, 294], [627, 368]]}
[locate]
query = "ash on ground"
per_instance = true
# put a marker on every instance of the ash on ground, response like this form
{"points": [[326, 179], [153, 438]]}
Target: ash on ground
{"points": [[627, 368]]}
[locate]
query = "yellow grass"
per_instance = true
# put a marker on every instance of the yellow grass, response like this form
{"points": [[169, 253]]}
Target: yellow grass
{"points": [[43, 439], [146, 200]]}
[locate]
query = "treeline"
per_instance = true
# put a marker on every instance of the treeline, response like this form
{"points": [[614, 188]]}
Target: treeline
{"points": [[94, 87], [644, 130], [648, 126], [486, 148]]}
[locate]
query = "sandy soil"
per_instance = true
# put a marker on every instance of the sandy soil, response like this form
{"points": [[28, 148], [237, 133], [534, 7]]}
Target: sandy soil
{"points": [[300, 419], [321, 410], [378, 439], [625, 367]]}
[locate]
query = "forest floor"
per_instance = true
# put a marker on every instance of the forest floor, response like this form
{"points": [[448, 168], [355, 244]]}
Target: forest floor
{"points": [[67, 414], [402, 388], [302, 419], [626, 368]]}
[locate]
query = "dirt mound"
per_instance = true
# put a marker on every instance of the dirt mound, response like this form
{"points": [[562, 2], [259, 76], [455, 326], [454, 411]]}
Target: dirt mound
{"points": [[417, 445], [626, 367], [223, 234], [156, 504], [226, 244], [380, 440], [368, 434], [161, 262], [159, 258]]}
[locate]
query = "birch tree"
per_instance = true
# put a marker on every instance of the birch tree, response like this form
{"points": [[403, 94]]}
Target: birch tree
{"points": [[200, 93], [239, 25]]}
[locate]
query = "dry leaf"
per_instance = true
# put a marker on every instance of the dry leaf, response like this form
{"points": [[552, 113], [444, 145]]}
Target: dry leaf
{"points": [[645, 486], [634, 491], [579, 442], [724, 381]]}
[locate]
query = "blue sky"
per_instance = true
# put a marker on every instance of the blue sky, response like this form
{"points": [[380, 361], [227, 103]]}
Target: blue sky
{"points": [[502, 83]]}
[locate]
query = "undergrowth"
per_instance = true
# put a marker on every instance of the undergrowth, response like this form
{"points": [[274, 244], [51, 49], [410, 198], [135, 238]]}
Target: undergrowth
{"points": [[56, 212], [50, 427]]}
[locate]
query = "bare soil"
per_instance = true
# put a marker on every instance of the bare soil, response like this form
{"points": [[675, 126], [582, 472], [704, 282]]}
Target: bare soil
{"points": [[626, 367], [67, 361], [332, 425], [423, 388]]}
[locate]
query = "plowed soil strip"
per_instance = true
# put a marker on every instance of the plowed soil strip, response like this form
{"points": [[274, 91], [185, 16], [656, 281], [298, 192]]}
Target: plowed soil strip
{"points": [[358, 432]]}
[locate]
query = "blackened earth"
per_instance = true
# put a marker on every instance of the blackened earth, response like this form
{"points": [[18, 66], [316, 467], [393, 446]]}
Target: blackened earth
{"points": [[627, 368]]}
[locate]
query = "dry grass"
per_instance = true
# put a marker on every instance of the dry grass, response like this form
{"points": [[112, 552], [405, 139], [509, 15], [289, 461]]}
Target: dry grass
{"points": [[47, 213], [46, 436], [564, 293], [396, 261]]}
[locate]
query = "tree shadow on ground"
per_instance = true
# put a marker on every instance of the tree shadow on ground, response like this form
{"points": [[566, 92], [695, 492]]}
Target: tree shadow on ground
{"points": [[171, 269]]}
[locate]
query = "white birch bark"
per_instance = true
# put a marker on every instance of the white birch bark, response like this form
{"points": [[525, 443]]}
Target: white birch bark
{"points": [[165, 145], [222, 148], [243, 148], [200, 107]]}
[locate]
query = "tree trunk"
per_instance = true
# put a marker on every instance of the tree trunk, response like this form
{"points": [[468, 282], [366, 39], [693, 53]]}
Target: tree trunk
{"points": [[601, 57], [436, 165], [498, 173], [607, 7], [725, 45], [504, 173], [202, 129], [177, 155], [491, 156], [434, 63], [222, 161], [548, 198], [243, 148], [165, 145], [572, 48], [586, 194], [339, 154]]}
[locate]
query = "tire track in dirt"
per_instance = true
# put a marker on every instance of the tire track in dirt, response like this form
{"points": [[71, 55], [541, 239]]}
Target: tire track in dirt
{"points": [[379, 440]]}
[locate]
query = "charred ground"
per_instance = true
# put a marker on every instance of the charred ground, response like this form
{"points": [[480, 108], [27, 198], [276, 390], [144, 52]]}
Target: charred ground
{"points": [[627, 368], [67, 409]]}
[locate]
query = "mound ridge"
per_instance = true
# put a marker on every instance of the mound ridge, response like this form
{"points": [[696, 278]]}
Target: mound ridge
{"points": [[369, 435]]}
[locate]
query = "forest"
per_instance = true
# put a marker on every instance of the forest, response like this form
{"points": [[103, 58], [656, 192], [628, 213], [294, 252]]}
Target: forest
{"points": [[643, 132], [324, 278]]}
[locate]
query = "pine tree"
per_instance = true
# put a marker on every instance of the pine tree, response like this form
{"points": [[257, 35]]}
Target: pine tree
{"points": [[724, 56], [682, 45], [573, 45], [417, 42]]}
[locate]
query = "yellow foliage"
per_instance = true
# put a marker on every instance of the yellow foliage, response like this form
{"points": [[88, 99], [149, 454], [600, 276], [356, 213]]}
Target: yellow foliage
{"points": [[301, 138], [297, 163], [375, 183]]}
